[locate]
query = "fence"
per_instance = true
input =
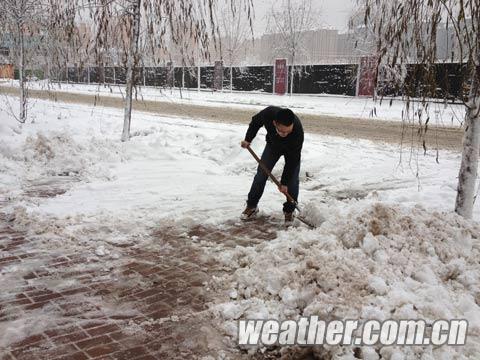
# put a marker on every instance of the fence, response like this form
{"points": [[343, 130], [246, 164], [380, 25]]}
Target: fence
{"points": [[310, 79], [338, 79]]}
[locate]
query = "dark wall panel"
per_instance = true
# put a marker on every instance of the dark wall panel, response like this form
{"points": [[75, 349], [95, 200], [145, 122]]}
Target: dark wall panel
{"points": [[206, 77], [253, 78], [109, 75], [94, 75], [442, 81], [325, 79], [120, 75]]}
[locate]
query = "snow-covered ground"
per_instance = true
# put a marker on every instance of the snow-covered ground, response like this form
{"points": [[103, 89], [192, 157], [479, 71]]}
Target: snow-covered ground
{"points": [[188, 166], [450, 115], [388, 244]]}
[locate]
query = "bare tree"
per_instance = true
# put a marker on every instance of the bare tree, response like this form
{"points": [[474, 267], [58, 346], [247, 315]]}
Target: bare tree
{"points": [[291, 20], [235, 26], [40, 31], [17, 20], [407, 32], [132, 53], [159, 23], [61, 40]]}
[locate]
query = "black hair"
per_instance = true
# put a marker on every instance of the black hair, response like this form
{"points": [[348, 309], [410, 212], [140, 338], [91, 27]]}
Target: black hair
{"points": [[285, 117]]}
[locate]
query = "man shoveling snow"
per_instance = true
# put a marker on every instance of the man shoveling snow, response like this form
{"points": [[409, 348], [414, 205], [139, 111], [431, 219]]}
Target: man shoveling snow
{"points": [[284, 138]]}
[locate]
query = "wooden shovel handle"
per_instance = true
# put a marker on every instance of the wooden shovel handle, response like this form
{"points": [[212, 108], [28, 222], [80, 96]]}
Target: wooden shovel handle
{"points": [[274, 179]]}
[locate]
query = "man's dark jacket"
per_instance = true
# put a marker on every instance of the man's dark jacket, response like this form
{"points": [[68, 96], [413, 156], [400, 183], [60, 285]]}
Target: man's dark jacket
{"points": [[290, 146]]}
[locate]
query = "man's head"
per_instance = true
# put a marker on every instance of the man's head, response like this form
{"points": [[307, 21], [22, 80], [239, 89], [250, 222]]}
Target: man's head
{"points": [[284, 122]]}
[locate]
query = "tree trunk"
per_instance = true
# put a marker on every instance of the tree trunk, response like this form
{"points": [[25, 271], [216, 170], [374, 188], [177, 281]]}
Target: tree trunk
{"points": [[291, 80], [231, 78], [144, 76], [198, 78], [467, 177], [21, 77], [291, 74], [134, 35], [101, 73], [183, 76]]}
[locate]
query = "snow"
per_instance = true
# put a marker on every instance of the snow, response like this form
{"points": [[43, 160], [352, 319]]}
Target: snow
{"points": [[440, 114], [20, 328], [387, 244], [326, 272], [378, 285], [370, 243], [101, 251]]}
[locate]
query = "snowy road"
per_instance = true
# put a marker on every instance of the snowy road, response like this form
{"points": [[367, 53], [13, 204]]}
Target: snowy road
{"points": [[346, 117], [308, 104], [134, 245]]}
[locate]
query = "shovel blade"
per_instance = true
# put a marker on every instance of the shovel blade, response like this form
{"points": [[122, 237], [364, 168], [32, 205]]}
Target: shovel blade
{"points": [[306, 222]]}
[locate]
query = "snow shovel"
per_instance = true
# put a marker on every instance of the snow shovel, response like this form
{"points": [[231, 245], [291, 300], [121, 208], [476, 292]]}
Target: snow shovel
{"points": [[274, 179]]}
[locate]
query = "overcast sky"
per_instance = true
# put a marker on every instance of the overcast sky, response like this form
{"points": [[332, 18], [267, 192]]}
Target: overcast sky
{"points": [[334, 13]]}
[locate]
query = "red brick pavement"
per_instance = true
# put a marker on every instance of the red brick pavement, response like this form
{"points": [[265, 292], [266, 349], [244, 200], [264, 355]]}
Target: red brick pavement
{"points": [[85, 312]]}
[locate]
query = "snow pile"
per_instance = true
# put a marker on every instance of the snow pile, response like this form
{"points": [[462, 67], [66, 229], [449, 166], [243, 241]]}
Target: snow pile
{"points": [[58, 154], [9, 126], [371, 261], [314, 214], [39, 158]]}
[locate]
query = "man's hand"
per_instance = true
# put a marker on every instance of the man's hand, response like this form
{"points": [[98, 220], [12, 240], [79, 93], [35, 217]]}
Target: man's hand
{"points": [[283, 189], [244, 144]]}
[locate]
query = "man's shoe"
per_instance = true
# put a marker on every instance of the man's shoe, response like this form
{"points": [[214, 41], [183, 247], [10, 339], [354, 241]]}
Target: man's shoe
{"points": [[289, 218], [249, 213]]}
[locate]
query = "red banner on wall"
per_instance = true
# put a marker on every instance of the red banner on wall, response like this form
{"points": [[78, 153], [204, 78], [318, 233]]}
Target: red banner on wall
{"points": [[280, 73], [367, 73]]}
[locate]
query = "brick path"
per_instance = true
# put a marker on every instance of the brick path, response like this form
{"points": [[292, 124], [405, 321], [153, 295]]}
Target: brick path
{"points": [[150, 303]]}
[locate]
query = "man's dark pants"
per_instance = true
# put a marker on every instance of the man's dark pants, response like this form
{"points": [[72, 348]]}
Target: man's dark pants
{"points": [[270, 158]]}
